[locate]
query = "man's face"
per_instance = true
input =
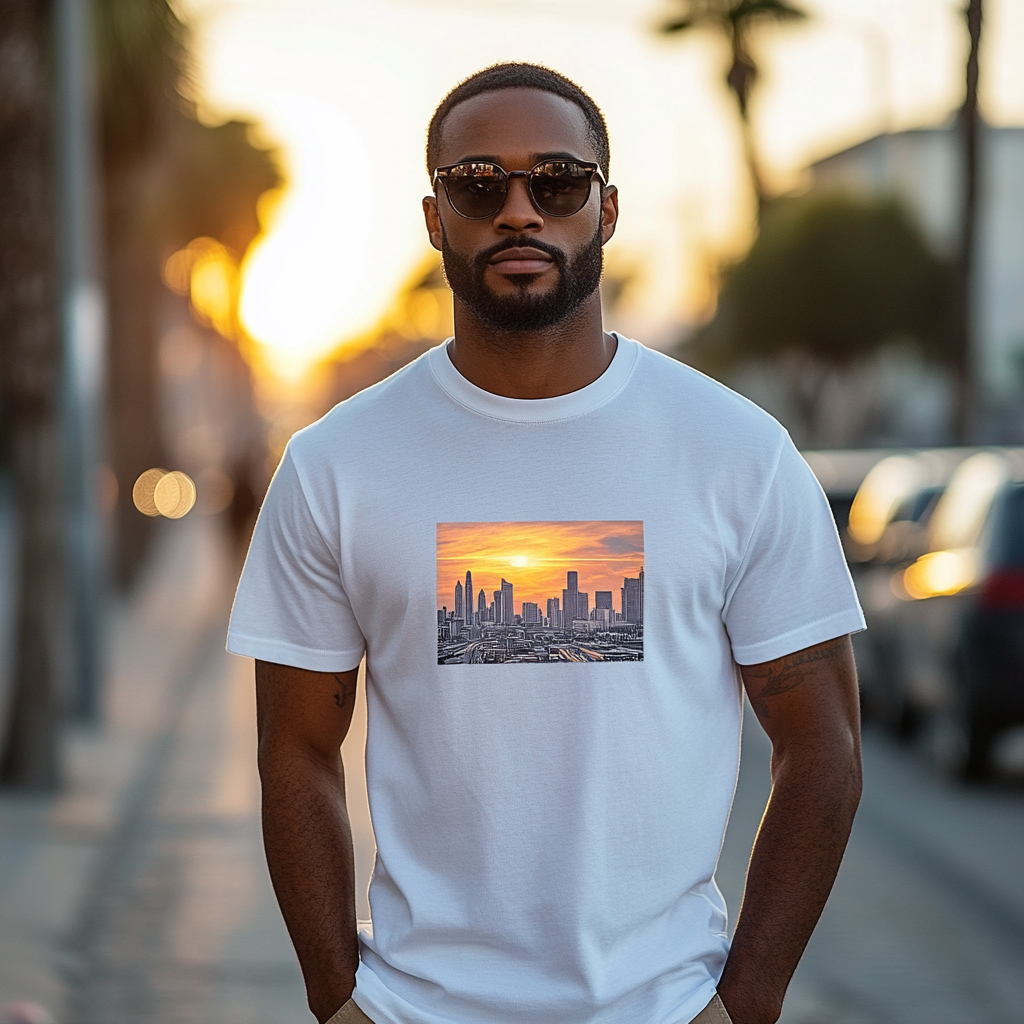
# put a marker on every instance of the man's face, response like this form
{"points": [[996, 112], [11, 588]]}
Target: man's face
{"points": [[520, 270]]}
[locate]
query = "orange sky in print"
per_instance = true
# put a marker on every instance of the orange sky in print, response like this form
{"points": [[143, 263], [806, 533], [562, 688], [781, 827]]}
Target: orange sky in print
{"points": [[534, 558]]}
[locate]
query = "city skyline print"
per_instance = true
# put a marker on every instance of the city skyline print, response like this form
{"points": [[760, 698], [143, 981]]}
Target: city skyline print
{"points": [[534, 592]]}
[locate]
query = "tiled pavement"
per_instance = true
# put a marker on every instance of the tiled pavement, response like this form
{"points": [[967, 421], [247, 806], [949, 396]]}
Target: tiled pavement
{"points": [[140, 894]]}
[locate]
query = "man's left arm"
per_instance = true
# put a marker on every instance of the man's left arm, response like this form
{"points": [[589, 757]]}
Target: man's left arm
{"points": [[807, 703]]}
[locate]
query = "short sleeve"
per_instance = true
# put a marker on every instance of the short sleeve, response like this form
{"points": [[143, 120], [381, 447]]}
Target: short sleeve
{"points": [[792, 588], [290, 606]]}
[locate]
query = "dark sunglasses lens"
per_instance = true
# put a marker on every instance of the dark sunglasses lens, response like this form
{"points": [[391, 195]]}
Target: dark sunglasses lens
{"points": [[476, 190], [560, 189]]}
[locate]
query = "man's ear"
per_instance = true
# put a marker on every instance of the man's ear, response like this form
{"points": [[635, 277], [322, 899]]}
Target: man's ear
{"points": [[609, 212], [433, 219]]}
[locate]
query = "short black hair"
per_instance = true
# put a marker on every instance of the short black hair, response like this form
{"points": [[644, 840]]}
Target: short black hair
{"points": [[514, 75]]}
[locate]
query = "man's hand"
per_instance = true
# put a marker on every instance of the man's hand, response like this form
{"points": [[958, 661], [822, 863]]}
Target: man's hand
{"points": [[302, 717], [807, 704]]}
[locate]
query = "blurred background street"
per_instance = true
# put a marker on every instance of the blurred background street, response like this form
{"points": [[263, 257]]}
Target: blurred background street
{"points": [[210, 233]]}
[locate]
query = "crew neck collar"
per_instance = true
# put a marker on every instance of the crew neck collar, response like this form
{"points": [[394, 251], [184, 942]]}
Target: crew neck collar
{"points": [[536, 410]]}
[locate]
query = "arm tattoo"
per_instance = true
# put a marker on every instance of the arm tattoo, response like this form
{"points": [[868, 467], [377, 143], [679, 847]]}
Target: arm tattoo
{"points": [[345, 691], [788, 673]]}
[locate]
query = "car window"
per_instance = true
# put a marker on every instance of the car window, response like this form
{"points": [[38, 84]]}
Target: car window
{"points": [[916, 508], [1007, 537]]}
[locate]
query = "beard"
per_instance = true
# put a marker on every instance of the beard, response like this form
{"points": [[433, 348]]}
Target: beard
{"points": [[578, 278]]}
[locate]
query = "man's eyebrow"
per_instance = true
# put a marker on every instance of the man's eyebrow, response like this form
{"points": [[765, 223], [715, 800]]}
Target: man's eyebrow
{"points": [[535, 158], [479, 158], [541, 157]]}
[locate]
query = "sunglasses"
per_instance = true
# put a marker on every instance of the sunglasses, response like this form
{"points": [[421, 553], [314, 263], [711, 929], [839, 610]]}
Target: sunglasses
{"points": [[477, 190]]}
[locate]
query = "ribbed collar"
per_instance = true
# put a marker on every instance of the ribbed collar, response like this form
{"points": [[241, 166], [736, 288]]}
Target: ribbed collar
{"points": [[537, 410]]}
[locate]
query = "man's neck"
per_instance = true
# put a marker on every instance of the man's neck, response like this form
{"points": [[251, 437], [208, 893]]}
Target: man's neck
{"points": [[533, 364]]}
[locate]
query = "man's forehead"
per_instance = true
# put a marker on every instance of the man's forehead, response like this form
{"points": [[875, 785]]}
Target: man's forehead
{"points": [[515, 123]]}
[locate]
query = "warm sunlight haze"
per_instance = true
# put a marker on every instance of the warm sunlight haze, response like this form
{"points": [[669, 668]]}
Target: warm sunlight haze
{"points": [[307, 282], [345, 91]]}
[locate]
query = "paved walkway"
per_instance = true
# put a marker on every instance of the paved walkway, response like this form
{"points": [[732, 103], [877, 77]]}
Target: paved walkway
{"points": [[926, 921], [140, 894]]}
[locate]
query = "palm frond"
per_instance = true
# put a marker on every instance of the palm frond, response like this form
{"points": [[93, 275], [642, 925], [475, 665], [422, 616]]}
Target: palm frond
{"points": [[677, 25], [768, 10]]}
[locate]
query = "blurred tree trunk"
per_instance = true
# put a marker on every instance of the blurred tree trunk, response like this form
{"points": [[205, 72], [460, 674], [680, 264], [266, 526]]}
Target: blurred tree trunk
{"points": [[139, 54], [133, 292], [736, 19], [167, 180], [741, 78], [31, 368], [961, 325]]}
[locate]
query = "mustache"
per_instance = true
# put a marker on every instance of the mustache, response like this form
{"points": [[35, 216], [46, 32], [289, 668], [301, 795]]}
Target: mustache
{"points": [[522, 241]]}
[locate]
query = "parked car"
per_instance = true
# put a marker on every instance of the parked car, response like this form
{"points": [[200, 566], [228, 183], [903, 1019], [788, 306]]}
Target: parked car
{"points": [[941, 578], [886, 529], [989, 694]]}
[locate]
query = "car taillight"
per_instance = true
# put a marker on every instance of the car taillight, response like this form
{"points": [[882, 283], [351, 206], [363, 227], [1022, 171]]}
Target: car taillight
{"points": [[1004, 588]]}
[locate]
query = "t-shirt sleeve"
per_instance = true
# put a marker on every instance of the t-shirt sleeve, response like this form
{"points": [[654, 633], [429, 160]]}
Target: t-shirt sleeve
{"points": [[291, 606], [792, 588]]}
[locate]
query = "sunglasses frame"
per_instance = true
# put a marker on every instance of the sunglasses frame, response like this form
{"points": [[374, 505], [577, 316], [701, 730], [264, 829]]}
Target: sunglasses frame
{"points": [[593, 170]]}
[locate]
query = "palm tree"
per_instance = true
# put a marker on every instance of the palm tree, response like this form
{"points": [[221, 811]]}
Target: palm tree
{"points": [[30, 373], [960, 325], [168, 179], [736, 19]]}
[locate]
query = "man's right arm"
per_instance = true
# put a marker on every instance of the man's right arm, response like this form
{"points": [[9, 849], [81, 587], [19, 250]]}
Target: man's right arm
{"points": [[302, 718]]}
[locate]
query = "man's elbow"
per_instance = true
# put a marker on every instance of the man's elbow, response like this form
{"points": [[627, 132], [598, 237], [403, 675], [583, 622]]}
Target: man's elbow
{"points": [[282, 757], [828, 762]]}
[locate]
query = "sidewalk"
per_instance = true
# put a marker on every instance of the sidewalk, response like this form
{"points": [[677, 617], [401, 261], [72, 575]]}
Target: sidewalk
{"points": [[140, 894]]}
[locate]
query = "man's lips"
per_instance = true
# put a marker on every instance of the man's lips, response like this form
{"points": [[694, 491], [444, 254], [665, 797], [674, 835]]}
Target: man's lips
{"points": [[521, 260]]}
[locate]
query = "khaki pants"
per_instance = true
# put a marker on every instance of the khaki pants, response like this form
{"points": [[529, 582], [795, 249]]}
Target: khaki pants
{"points": [[713, 1013]]}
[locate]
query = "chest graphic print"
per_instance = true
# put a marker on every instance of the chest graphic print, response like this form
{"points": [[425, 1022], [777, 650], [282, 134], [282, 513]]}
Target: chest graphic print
{"points": [[540, 592]]}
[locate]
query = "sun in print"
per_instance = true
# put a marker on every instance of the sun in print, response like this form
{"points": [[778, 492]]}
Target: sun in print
{"points": [[536, 592]]}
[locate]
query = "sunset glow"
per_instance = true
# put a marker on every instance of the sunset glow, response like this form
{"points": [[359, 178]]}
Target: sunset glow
{"points": [[602, 552], [305, 281], [345, 89]]}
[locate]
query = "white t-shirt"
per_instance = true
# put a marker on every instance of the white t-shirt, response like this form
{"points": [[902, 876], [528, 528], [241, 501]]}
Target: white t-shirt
{"points": [[553, 742]]}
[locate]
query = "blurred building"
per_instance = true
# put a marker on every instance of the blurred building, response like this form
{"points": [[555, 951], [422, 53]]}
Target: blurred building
{"points": [[922, 168]]}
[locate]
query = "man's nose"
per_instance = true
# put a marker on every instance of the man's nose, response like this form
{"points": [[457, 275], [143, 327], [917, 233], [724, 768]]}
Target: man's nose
{"points": [[518, 213]]}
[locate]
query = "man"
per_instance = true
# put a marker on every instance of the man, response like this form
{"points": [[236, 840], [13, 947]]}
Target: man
{"points": [[550, 792]]}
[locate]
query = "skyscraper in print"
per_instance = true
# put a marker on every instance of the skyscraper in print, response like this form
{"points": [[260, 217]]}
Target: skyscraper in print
{"points": [[537, 567], [508, 612]]}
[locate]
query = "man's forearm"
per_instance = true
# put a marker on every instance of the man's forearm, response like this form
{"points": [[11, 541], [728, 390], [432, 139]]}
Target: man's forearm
{"points": [[794, 862], [308, 842]]}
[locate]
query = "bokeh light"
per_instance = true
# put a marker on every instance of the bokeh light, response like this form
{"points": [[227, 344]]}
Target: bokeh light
{"points": [[158, 492], [174, 494], [961, 511], [142, 492], [206, 271], [884, 488], [940, 573]]}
